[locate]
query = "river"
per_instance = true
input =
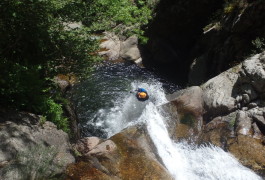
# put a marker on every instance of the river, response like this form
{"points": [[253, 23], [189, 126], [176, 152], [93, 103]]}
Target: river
{"points": [[106, 105]]}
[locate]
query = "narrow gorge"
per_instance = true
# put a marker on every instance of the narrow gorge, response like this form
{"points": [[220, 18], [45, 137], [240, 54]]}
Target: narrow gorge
{"points": [[203, 65]]}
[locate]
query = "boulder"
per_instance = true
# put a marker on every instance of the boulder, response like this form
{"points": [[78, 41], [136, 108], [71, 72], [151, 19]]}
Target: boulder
{"points": [[246, 145], [185, 112], [217, 93], [86, 144], [85, 170], [129, 49], [114, 49], [232, 108], [29, 147], [219, 130], [126, 155], [110, 46], [249, 151], [254, 70], [105, 147]]}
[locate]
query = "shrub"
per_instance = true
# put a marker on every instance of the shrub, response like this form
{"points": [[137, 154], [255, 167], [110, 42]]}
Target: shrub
{"points": [[54, 112], [258, 45], [36, 45]]}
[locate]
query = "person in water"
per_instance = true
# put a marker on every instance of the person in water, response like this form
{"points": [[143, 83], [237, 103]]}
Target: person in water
{"points": [[142, 94]]}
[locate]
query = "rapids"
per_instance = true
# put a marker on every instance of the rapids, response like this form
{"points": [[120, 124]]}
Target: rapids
{"points": [[106, 106]]}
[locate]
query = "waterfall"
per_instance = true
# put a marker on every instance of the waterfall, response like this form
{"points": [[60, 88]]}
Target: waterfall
{"points": [[185, 161], [106, 107], [127, 109]]}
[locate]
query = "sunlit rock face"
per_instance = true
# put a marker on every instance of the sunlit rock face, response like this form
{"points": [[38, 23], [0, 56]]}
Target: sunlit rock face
{"points": [[126, 155], [238, 126], [231, 108]]}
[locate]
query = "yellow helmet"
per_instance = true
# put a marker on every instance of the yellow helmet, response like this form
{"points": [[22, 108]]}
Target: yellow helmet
{"points": [[142, 95]]}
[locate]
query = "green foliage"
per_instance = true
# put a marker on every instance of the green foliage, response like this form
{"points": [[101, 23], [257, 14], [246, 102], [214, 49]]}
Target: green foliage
{"points": [[43, 119], [33, 32], [20, 85], [127, 17], [22, 88], [37, 43], [76, 153], [230, 6], [259, 45], [54, 112]]}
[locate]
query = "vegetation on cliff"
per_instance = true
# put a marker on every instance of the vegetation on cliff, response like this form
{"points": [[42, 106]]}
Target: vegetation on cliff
{"points": [[37, 43]]}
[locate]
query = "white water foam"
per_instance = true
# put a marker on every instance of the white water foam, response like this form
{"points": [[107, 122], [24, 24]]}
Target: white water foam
{"points": [[186, 162], [127, 109], [183, 161]]}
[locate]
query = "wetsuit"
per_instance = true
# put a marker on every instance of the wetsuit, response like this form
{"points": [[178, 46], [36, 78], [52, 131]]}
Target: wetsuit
{"points": [[142, 90]]}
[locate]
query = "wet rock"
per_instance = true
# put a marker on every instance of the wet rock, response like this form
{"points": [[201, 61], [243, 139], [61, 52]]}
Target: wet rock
{"points": [[249, 151], [126, 155], [188, 105], [139, 62], [85, 170], [233, 111], [243, 123], [190, 101], [170, 113], [219, 130], [215, 132], [175, 95]]}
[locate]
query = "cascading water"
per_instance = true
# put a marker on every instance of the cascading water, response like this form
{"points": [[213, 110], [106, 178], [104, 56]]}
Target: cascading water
{"points": [[106, 106], [185, 161]]}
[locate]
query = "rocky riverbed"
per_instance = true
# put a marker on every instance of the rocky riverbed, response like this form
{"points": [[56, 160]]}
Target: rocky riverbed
{"points": [[226, 111]]}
